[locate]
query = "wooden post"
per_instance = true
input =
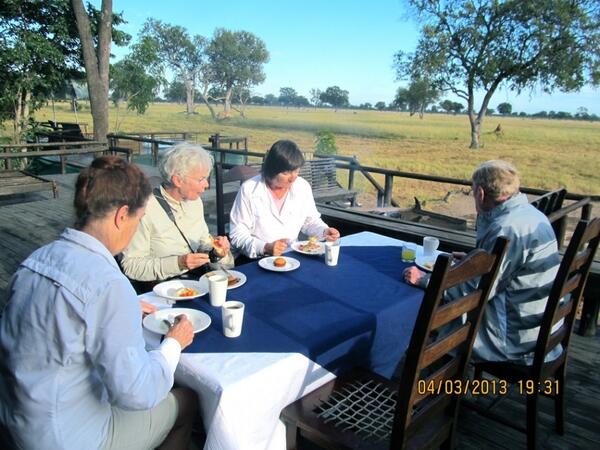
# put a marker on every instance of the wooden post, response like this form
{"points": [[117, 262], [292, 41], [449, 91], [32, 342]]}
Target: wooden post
{"points": [[63, 161], [389, 185], [351, 172], [379, 198], [154, 147]]}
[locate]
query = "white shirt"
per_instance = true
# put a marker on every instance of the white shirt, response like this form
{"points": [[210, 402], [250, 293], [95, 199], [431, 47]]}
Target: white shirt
{"points": [[256, 220], [71, 348]]}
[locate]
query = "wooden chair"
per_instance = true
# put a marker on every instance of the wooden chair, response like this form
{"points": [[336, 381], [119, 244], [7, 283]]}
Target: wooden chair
{"points": [[321, 175], [225, 197], [363, 410], [549, 378]]}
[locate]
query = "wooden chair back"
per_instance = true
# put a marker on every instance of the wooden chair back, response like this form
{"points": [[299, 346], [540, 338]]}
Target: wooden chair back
{"points": [[565, 296], [321, 175], [551, 201], [436, 358], [226, 197]]}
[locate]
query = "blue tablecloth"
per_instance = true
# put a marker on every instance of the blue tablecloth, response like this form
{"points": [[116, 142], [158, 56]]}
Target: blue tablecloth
{"points": [[356, 313]]}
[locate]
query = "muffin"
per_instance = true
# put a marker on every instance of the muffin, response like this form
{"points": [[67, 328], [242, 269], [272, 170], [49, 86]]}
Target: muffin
{"points": [[279, 262]]}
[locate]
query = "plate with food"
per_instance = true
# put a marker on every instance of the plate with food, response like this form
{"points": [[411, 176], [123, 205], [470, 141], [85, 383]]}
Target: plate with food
{"points": [[279, 263], [310, 247], [234, 280], [180, 289], [162, 320], [427, 262]]}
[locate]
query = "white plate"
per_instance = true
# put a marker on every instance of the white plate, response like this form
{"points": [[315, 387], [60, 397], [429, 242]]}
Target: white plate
{"points": [[296, 247], [239, 275], [168, 289], [154, 322], [290, 264], [427, 262]]}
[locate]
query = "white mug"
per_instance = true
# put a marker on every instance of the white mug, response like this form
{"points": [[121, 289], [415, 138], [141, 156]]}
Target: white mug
{"points": [[217, 288], [232, 313], [332, 252], [430, 245]]}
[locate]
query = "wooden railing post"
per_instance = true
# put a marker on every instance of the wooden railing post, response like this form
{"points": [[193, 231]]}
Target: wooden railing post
{"points": [[351, 172], [63, 161], [387, 192], [154, 149]]}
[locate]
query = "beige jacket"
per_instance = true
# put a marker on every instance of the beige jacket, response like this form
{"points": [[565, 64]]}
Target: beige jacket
{"points": [[152, 253]]}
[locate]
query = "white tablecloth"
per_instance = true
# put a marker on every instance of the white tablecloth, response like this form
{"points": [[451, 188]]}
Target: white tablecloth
{"points": [[242, 394]]}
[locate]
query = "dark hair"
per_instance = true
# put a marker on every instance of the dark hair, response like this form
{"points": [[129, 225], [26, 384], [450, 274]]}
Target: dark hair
{"points": [[282, 157], [109, 183]]}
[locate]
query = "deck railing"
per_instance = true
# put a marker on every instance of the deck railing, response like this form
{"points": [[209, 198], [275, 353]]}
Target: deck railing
{"points": [[12, 152]]}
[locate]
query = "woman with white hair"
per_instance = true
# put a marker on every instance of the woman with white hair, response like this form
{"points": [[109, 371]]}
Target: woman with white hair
{"points": [[173, 239]]}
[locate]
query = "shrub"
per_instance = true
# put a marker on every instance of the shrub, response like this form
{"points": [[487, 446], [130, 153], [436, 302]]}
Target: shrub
{"points": [[325, 143]]}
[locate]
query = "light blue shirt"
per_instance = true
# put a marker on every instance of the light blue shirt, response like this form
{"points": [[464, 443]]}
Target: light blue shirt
{"points": [[71, 348], [510, 325]]}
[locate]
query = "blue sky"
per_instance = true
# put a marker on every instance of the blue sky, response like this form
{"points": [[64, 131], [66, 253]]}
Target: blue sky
{"points": [[317, 44]]}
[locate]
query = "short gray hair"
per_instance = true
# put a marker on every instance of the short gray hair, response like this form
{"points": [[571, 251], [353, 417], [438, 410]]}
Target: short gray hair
{"points": [[181, 159], [497, 178]]}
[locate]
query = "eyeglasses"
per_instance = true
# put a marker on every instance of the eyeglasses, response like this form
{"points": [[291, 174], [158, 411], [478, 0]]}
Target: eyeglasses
{"points": [[197, 180]]}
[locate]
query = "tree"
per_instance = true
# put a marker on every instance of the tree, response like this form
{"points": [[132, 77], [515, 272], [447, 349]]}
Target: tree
{"points": [[175, 92], [446, 105], [315, 97], [380, 106], [271, 100], [39, 52], [287, 96], [505, 108], [183, 54], [136, 78], [465, 46], [236, 58], [335, 96], [457, 107], [96, 53], [417, 97]]}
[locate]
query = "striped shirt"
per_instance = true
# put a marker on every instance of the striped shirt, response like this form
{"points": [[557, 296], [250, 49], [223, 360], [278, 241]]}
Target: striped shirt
{"points": [[510, 325]]}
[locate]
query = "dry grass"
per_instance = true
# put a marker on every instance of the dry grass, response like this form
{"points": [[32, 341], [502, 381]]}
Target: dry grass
{"points": [[549, 153]]}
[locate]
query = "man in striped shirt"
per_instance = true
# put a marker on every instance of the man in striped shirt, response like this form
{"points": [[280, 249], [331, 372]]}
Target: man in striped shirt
{"points": [[510, 325]]}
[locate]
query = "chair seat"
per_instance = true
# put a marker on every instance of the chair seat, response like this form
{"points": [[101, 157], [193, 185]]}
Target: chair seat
{"points": [[364, 406]]}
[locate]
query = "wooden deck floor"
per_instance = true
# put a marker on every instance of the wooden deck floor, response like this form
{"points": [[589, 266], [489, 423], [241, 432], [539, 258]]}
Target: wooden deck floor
{"points": [[29, 221]]}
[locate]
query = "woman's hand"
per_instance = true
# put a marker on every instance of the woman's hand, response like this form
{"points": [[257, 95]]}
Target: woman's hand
{"points": [[147, 308], [277, 247], [331, 234], [192, 260], [412, 275], [221, 245], [182, 331]]}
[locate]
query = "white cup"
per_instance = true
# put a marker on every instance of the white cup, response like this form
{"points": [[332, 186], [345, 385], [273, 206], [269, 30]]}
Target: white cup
{"points": [[430, 245], [232, 313], [332, 252], [217, 288]]}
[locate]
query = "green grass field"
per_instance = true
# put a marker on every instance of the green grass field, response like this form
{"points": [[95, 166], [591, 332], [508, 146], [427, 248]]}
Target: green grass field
{"points": [[549, 153]]}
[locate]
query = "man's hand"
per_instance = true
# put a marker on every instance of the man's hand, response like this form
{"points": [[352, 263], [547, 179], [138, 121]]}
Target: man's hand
{"points": [[221, 245], [192, 260], [412, 275], [182, 331], [331, 234], [458, 255], [277, 247]]}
